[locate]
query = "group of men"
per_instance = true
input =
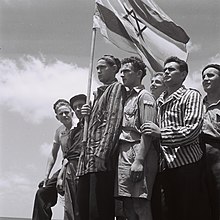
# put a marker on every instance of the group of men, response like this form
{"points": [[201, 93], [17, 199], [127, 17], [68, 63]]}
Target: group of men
{"points": [[148, 156]]}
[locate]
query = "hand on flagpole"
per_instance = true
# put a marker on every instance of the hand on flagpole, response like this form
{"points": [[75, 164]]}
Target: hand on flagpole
{"points": [[85, 110]]}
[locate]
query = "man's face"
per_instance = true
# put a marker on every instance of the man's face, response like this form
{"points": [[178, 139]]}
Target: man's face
{"points": [[64, 114], [128, 75], [211, 80], [106, 73], [172, 74], [157, 86], [77, 105]]}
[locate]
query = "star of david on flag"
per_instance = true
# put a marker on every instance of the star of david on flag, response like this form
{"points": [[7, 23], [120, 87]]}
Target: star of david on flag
{"points": [[141, 27]]}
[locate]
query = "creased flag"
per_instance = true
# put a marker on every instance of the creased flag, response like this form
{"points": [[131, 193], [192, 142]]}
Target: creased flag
{"points": [[141, 27]]}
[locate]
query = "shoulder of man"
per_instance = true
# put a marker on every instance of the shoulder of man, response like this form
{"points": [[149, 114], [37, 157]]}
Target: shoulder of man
{"points": [[193, 90], [146, 97], [60, 129]]}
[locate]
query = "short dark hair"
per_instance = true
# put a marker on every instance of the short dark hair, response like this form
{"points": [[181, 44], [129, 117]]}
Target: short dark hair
{"points": [[60, 102], [212, 65], [137, 64], [183, 66], [76, 98], [111, 60]]}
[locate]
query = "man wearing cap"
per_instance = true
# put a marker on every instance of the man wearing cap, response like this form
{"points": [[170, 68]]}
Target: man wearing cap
{"points": [[99, 155], [211, 133], [69, 139]]}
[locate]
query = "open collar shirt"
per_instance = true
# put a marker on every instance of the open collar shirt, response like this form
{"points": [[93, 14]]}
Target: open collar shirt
{"points": [[211, 124], [70, 140], [180, 120], [139, 107]]}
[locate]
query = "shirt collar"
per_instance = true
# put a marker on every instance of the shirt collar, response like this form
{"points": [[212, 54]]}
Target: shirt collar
{"points": [[136, 89], [176, 95], [102, 89], [205, 102]]}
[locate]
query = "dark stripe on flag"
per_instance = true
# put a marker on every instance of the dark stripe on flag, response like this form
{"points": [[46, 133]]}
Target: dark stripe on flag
{"points": [[112, 22], [169, 28], [115, 25]]}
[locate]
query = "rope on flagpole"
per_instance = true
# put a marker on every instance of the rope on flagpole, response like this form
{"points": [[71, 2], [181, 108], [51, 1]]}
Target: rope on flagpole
{"points": [[89, 84]]}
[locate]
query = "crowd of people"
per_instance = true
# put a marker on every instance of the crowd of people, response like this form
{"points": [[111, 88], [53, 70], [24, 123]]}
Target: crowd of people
{"points": [[148, 155]]}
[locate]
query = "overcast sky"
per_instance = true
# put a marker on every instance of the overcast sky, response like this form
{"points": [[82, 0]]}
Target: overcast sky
{"points": [[44, 55]]}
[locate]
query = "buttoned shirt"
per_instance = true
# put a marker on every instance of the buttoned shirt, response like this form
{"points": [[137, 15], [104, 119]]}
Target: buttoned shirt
{"points": [[70, 141], [104, 128], [180, 120], [211, 124], [139, 107]]}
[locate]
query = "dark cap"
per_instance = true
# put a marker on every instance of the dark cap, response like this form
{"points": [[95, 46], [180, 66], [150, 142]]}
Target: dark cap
{"points": [[76, 98]]}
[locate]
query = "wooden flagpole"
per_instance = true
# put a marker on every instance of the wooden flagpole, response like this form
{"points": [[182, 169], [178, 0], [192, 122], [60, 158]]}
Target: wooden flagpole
{"points": [[89, 83]]}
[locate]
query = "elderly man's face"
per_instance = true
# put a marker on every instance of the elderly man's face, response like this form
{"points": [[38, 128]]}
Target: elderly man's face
{"points": [[64, 114], [211, 80]]}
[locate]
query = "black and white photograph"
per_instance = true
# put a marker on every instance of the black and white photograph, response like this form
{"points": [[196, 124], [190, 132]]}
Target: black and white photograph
{"points": [[109, 110]]}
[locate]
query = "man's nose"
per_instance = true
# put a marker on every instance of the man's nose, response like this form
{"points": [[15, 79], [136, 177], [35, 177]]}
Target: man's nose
{"points": [[152, 83], [166, 72], [205, 77]]}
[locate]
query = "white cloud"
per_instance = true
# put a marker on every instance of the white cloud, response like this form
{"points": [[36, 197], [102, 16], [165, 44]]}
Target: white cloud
{"points": [[30, 86], [191, 47], [215, 59], [45, 149], [194, 80]]}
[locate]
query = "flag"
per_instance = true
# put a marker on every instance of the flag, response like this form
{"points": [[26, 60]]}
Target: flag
{"points": [[141, 27]]}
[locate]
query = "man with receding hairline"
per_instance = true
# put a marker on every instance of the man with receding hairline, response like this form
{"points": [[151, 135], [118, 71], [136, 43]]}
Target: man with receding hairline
{"points": [[68, 138]]}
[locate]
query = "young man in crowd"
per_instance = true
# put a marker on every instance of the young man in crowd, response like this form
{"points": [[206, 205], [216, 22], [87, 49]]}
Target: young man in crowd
{"points": [[69, 139], [97, 162], [138, 159], [180, 123], [157, 85], [211, 134]]}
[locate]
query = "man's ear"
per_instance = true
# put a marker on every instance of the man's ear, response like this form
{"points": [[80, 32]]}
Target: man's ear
{"points": [[183, 74], [139, 73], [115, 67]]}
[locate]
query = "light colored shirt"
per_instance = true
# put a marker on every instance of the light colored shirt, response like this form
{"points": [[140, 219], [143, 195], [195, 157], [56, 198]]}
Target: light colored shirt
{"points": [[70, 141], [211, 124], [139, 107], [180, 120]]}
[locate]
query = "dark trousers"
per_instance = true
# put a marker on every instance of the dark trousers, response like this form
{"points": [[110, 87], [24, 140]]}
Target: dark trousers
{"points": [[46, 197], [95, 196], [185, 192], [158, 205], [213, 179]]}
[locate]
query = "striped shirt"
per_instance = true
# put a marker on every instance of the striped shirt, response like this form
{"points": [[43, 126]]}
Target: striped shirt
{"points": [[180, 120], [104, 129]]}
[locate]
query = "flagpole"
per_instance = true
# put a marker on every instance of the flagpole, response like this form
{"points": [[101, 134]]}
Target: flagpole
{"points": [[89, 83]]}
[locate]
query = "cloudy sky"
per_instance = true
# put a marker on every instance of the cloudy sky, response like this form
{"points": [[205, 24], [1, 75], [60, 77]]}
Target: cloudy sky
{"points": [[44, 55]]}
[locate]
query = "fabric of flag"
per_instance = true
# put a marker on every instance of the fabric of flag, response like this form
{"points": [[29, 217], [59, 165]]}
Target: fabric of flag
{"points": [[141, 27]]}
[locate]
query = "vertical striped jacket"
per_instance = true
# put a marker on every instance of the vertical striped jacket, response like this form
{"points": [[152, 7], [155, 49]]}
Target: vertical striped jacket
{"points": [[104, 128], [180, 120]]}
